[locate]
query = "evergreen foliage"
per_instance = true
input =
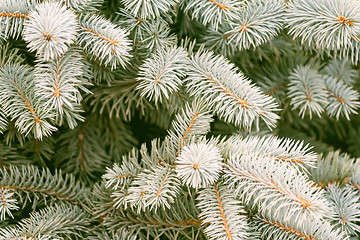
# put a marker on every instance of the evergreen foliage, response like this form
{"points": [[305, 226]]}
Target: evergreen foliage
{"points": [[179, 119]]}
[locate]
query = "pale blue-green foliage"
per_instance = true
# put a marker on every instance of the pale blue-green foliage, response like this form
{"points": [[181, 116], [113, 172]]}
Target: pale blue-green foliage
{"points": [[49, 30], [59, 82], [314, 93], [355, 177], [335, 167], [154, 188], [272, 226], [345, 212], [328, 24], [254, 24], [50, 223], [156, 36], [228, 92], [199, 165], [105, 41], [296, 153], [149, 35], [154, 184], [35, 185], [145, 9], [20, 103], [213, 12], [3, 120], [182, 220], [191, 122], [119, 176], [306, 91], [340, 70], [9, 55], [268, 183], [189, 184], [13, 14], [8, 203], [161, 75], [105, 235], [274, 78], [350, 53], [82, 5], [343, 99], [257, 23], [148, 189], [222, 213], [219, 41]]}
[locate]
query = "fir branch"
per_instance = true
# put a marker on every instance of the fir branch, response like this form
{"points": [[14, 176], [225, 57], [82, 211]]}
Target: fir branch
{"points": [[155, 221], [306, 91], [140, 195], [346, 208], [341, 70], [58, 82], [11, 156], [182, 220], [228, 92], [328, 24], [212, 12], [335, 167], [104, 40], [105, 235], [117, 135], [162, 73], [39, 151], [19, 101], [222, 214], [163, 189], [50, 223], [7, 203], [153, 188], [81, 153], [155, 226], [50, 29], [219, 41], [13, 14], [343, 100], [40, 184], [3, 120], [155, 35], [284, 150], [355, 178], [155, 155], [350, 53], [199, 165], [273, 226], [121, 99], [271, 184], [118, 178], [148, 9], [9, 55], [256, 24], [192, 121], [82, 5]]}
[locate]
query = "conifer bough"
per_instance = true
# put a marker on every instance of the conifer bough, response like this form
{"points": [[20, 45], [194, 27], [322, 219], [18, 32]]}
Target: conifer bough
{"points": [[179, 119]]}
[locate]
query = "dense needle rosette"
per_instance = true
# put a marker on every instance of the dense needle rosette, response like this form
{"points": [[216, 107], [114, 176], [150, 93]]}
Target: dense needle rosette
{"points": [[50, 29], [199, 165]]}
